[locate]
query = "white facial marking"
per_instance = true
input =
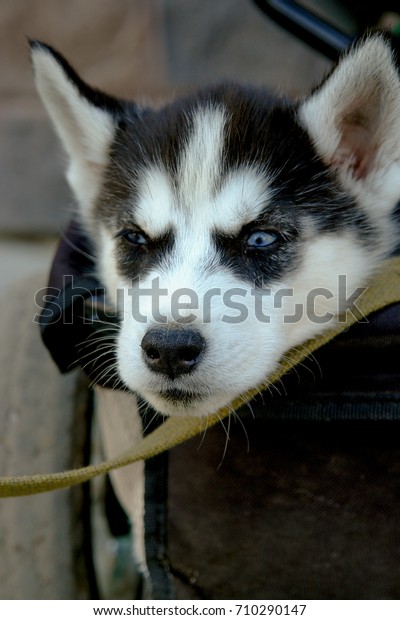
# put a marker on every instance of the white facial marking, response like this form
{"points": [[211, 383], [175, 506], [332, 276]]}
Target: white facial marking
{"points": [[155, 202], [200, 164], [204, 195], [243, 196], [316, 285]]}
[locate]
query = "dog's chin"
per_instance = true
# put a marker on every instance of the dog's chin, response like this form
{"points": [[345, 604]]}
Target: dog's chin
{"points": [[175, 402]]}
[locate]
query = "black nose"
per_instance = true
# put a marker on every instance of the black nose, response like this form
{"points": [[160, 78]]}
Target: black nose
{"points": [[172, 351]]}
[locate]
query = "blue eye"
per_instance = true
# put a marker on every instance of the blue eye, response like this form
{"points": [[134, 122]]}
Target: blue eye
{"points": [[261, 239], [134, 237]]}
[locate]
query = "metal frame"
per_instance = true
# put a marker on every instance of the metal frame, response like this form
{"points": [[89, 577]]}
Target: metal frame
{"points": [[305, 25]]}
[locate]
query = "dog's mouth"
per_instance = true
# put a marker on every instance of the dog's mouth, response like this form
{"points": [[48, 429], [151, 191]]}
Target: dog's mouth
{"points": [[180, 402], [174, 401], [179, 397]]}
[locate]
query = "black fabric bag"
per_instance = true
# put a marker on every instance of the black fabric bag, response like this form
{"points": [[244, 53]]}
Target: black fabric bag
{"points": [[296, 496]]}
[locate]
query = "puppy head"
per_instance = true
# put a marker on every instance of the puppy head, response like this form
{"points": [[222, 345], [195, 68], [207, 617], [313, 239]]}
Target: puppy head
{"points": [[223, 221]]}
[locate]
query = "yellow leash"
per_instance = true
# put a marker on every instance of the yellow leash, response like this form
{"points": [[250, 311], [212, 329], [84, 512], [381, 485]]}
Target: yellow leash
{"points": [[383, 291]]}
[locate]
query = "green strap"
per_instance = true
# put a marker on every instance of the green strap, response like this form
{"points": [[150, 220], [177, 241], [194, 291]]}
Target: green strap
{"points": [[383, 291]]}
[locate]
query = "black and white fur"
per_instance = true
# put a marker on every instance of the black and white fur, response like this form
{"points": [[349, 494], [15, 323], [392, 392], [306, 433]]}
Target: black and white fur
{"points": [[176, 193]]}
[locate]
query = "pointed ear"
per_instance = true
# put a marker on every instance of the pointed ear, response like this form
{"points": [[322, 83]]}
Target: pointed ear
{"points": [[353, 118], [85, 119]]}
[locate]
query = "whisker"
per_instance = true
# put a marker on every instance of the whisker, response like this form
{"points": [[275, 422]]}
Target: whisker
{"points": [[94, 360], [95, 337], [227, 439], [97, 321], [150, 422], [239, 419], [102, 373]]}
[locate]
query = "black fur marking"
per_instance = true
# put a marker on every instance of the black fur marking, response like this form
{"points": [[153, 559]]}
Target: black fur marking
{"points": [[137, 261], [155, 138], [261, 131], [259, 266], [264, 132]]}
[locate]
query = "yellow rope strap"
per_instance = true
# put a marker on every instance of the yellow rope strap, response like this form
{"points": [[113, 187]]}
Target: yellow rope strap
{"points": [[383, 291]]}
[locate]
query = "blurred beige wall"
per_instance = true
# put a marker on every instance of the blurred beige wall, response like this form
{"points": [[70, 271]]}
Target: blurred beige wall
{"points": [[115, 43]]}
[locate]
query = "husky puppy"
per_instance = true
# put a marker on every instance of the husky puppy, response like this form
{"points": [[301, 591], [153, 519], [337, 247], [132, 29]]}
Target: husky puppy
{"points": [[230, 225]]}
